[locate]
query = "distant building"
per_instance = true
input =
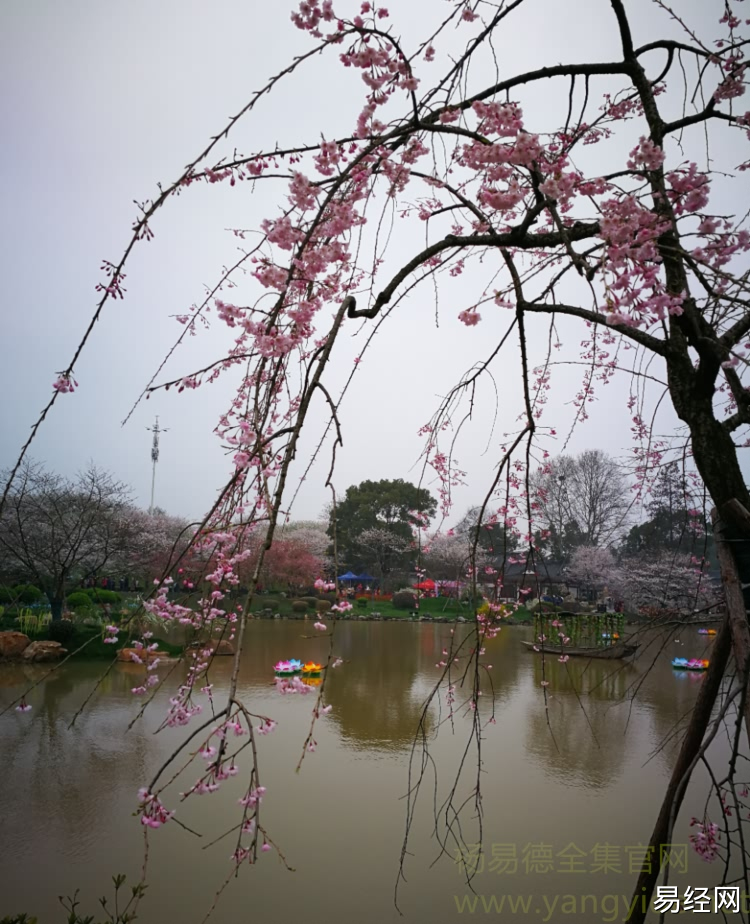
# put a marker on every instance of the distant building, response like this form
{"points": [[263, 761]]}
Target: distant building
{"points": [[542, 577]]}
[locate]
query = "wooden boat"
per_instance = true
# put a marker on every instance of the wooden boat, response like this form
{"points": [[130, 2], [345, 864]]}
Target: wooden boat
{"points": [[610, 652]]}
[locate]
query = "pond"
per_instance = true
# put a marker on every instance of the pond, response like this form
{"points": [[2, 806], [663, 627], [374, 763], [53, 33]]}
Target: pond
{"points": [[569, 789]]}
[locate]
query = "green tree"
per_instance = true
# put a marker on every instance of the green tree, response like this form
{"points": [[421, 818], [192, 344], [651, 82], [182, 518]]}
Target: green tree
{"points": [[492, 534], [671, 525], [394, 506]]}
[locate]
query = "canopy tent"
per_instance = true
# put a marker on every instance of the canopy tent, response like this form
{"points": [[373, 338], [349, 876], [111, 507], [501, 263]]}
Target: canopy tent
{"points": [[366, 578], [348, 577], [425, 585]]}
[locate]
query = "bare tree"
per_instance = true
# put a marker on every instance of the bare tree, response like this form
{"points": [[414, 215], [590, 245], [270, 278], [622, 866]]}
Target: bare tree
{"points": [[582, 500], [56, 531]]}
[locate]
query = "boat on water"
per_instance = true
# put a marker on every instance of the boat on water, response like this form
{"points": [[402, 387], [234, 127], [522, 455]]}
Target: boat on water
{"points": [[287, 668], [606, 652], [311, 669], [706, 631], [692, 664]]}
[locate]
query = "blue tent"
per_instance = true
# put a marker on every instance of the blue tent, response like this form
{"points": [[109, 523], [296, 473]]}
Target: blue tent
{"points": [[348, 577], [367, 578]]}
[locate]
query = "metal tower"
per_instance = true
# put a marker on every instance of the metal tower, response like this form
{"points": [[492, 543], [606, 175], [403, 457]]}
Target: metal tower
{"points": [[156, 430]]}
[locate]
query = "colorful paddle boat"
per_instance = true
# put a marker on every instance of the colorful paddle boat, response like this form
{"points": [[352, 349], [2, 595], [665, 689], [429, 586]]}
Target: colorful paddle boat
{"points": [[311, 669], [706, 631], [692, 664], [287, 668]]}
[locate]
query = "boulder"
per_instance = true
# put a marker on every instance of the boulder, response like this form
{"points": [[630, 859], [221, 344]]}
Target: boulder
{"points": [[13, 644], [124, 654], [215, 646], [44, 651]]}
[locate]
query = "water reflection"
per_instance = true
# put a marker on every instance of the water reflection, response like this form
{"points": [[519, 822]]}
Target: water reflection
{"points": [[70, 793]]}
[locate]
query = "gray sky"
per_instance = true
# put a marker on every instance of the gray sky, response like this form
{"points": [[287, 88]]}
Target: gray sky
{"points": [[99, 102]]}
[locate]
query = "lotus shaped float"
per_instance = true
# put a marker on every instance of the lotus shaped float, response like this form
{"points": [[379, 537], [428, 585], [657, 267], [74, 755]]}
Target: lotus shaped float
{"points": [[287, 668], [284, 668], [311, 669], [694, 664]]}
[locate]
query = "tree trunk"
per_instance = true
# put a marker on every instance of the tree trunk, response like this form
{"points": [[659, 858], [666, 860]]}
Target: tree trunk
{"points": [[691, 745], [56, 605]]}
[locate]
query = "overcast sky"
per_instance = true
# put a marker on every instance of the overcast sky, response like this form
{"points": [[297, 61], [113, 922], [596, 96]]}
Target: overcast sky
{"points": [[99, 102]]}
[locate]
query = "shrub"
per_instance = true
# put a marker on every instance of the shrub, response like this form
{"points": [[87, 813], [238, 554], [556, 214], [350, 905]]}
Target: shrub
{"points": [[61, 631], [363, 602], [78, 600], [299, 606], [26, 593], [322, 606], [6, 595], [330, 596], [100, 595], [310, 601], [403, 600]]}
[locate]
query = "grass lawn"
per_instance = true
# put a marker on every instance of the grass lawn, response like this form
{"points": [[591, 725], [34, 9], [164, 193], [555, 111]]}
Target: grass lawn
{"points": [[435, 607]]}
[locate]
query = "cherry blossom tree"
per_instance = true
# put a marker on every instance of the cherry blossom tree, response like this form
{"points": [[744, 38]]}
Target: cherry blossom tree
{"points": [[602, 231], [57, 531], [288, 565], [312, 535], [593, 568], [452, 558], [162, 541], [676, 583], [383, 548]]}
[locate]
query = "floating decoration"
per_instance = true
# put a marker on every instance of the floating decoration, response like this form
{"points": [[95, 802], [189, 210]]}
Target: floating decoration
{"points": [[706, 631], [311, 669], [287, 668], [692, 664], [311, 681]]}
